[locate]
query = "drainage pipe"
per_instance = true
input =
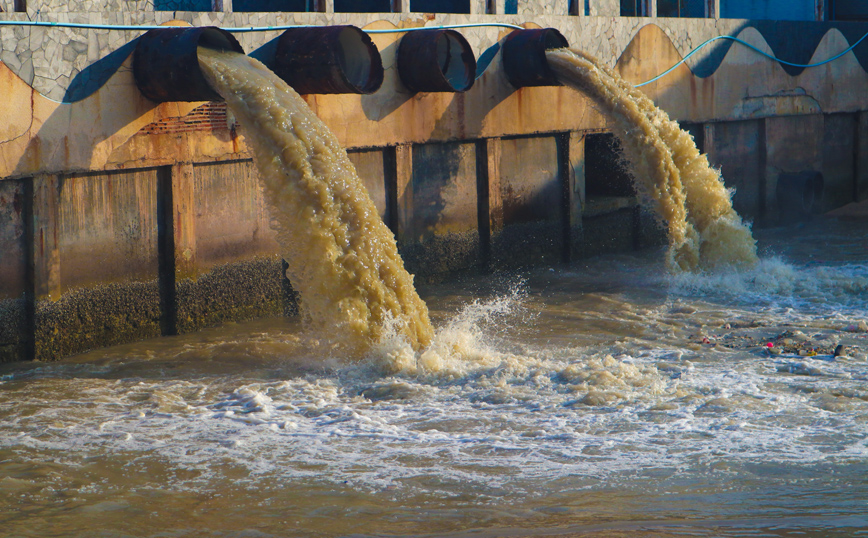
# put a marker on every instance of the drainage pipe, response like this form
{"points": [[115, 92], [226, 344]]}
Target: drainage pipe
{"points": [[436, 61], [166, 62], [524, 56], [327, 59]]}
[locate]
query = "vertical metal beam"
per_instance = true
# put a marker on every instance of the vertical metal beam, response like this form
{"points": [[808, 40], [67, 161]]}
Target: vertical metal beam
{"points": [[482, 201], [390, 173], [166, 252]]}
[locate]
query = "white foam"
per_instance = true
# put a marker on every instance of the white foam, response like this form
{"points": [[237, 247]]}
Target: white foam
{"points": [[783, 285]]}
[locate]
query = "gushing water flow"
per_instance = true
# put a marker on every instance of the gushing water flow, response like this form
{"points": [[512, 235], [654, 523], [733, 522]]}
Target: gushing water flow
{"points": [[686, 192], [344, 261], [342, 258]]}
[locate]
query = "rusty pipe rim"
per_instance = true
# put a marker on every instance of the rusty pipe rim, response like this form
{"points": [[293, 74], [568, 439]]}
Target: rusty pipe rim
{"points": [[328, 60], [166, 62], [524, 56], [436, 60]]}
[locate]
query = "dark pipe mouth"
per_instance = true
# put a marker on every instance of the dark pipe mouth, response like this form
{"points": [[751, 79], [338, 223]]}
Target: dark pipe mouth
{"points": [[356, 62], [166, 62], [328, 60], [524, 56], [436, 60], [218, 39]]}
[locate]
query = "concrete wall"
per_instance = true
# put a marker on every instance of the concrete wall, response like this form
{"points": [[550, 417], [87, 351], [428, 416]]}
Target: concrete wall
{"points": [[738, 149], [122, 219], [15, 314], [528, 207]]}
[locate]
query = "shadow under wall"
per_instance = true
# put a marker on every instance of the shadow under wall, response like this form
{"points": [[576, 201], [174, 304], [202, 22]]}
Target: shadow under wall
{"points": [[94, 76]]}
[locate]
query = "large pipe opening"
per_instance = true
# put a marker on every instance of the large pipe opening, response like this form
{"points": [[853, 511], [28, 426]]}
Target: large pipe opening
{"points": [[330, 59], [166, 62], [524, 56], [436, 61]]}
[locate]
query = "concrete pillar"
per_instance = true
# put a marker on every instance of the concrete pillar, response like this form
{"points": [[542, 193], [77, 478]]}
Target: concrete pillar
{"points": [[495, 196], [651, 8], [712, 9], [738, 149], [576, 200], [184, 220], [404, 190], [46, 240], [477, 7], [401, 6], [327, 6]]}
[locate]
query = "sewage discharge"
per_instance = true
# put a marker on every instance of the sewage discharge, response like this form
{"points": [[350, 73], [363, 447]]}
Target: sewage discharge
{"points": [[342, 258], [705, 232]]}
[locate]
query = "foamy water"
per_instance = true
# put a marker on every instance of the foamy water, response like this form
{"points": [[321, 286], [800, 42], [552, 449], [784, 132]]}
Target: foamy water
{"points": [[342, 258], [611, 391]]}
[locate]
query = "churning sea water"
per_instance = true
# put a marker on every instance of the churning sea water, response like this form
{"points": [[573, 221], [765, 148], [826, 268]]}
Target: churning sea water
{"points": [[608, 398]]}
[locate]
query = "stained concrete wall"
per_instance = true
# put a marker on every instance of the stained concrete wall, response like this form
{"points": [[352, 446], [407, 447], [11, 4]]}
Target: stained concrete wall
{"points": [[438, 223], [738, 149], [14, 244], [94, 260], [839, 155], [861, 166], [227, 263], [527, 203], [122, 219], [375, 168]]}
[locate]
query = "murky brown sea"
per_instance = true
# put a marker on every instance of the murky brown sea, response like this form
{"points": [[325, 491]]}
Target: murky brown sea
{"points": [[604, 399]]}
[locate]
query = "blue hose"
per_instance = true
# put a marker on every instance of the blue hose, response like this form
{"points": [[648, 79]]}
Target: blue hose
{"points": [[755, 49], [443, 27], [244, 29]]}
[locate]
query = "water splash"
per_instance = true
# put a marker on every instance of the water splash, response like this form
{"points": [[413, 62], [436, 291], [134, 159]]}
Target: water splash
{"points": [[669, 172], [342, 258]]}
